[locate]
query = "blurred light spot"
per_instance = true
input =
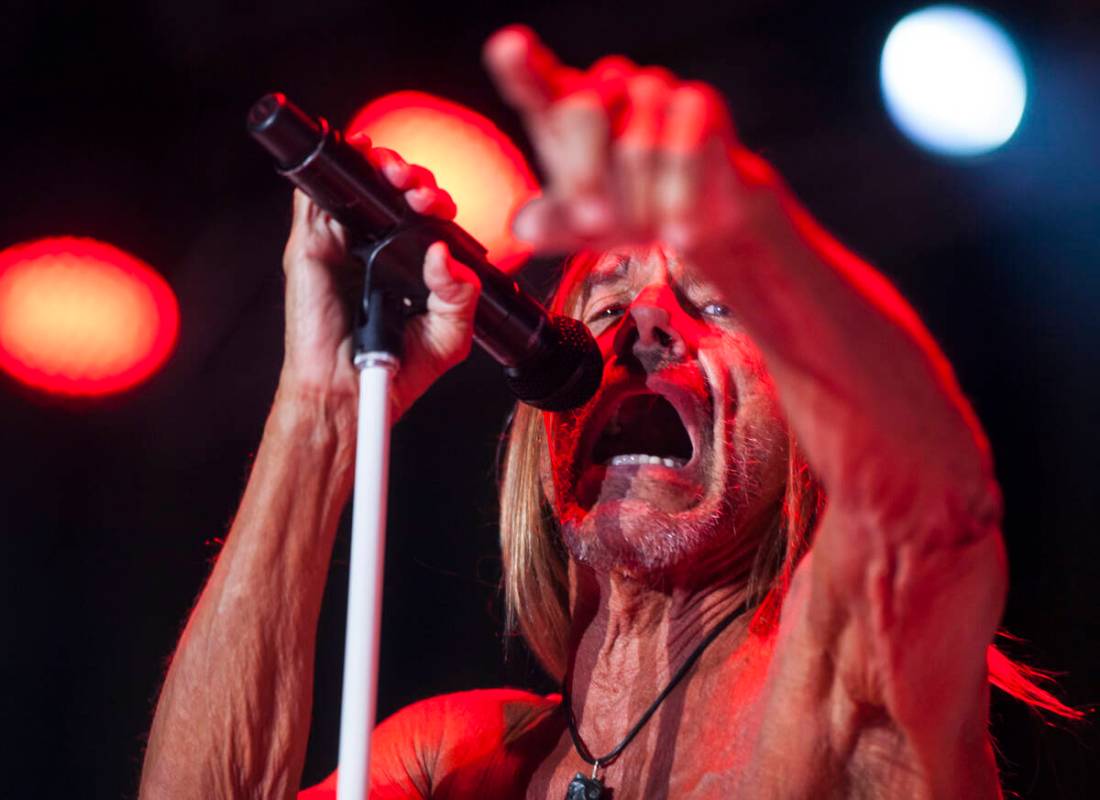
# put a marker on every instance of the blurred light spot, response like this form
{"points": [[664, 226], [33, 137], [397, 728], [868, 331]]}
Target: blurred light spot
{"points": [[81, 317], [953, 80], [470, 157]]}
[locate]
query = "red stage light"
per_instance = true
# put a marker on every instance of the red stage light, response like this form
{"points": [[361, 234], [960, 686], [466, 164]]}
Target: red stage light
{"points": [[471, 158], [81, 317]]}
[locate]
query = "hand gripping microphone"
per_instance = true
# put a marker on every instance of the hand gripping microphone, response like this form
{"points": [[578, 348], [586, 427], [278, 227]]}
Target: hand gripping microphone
{"points": [[550, 361]]}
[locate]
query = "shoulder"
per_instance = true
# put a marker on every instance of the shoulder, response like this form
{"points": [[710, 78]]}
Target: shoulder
{"points": [[445, 744], [454, 729]]}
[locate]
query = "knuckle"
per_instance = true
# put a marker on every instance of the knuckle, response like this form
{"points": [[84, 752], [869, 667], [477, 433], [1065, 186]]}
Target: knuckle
{"points": [[384, 155], [634, 151], [421, 177], [647, 86], [584, 103], [658, 74], [641, 128], [679, 165], [698, 94], [612, 67], [705, 105], [362, 143], [752, 169]]}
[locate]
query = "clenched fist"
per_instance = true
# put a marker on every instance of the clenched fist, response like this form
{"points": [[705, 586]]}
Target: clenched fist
{"points": [[320, 308]]}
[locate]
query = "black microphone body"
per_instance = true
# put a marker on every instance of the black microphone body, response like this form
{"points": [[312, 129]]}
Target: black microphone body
{"points": [[550, 361]]}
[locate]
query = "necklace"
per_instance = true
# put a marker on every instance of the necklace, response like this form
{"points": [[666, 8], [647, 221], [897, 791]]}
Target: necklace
{"points": [[584, 788]]}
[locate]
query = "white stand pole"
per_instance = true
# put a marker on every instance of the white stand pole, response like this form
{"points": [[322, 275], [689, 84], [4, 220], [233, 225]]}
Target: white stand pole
{"points": [[368, 551]]}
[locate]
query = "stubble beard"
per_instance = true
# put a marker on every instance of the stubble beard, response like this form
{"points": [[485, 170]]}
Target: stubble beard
{"points": [[635, 538]]}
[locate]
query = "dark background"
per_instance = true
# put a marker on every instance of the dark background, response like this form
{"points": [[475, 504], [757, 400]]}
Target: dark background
{"points": [[124, 121]]}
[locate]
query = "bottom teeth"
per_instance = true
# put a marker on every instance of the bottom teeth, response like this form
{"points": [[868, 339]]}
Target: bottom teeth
{"points": [[635, 458]]}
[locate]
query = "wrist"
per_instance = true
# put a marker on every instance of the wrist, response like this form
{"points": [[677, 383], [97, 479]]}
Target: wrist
{"points": [[773, 237], [308, 414]]}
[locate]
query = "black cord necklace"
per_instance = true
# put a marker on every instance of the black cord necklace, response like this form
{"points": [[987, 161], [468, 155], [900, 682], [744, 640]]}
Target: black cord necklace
{"points": [[583, 788]]}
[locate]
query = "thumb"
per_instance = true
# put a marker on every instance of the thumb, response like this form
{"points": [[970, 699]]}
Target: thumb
{"points": [[436, 341], [454, 287]]}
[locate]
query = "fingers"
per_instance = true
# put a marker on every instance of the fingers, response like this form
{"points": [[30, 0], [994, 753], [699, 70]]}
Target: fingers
{"points": [[568, 123], [571, 117], [399, 172], [434, 202], [314, 235], [695, 179], [580, 154], [527, 74], [360, 141], [696, 113], [417, 182], [664, 175], [631, 153], [436, 341], [637, 149]]}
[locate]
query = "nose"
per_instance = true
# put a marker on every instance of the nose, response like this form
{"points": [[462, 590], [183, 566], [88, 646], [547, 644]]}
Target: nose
{"points": [[654, 313]]}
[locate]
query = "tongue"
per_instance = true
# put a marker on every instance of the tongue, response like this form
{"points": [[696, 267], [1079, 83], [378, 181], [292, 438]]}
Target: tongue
{"points": [[644, 425]]}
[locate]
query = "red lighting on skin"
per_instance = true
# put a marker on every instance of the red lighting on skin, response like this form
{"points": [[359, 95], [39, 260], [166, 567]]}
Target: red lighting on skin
{"points": [[471, 158], [80, 317]]}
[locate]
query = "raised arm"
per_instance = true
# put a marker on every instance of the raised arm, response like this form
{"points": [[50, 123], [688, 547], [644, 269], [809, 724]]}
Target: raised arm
{"points": [[233, 716], [899, 599], [634, 154]]}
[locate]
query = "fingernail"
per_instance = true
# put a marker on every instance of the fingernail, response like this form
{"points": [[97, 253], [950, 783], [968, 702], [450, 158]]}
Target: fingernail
{"points": [[440, 251]]}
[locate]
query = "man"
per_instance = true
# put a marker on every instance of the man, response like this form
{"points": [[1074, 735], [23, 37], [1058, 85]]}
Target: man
{"points": [[660, 536]]}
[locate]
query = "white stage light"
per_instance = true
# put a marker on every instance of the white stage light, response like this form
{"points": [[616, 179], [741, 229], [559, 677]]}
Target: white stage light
{"points": [[953, 80]]}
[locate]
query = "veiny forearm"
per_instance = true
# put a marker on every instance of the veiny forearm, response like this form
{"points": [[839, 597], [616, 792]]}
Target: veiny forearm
{"points": [[866, 389], [905, 580], [233, 716]]}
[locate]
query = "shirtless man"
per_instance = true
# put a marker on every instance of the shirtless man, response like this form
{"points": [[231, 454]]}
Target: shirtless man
{"points": [[860, 666]]}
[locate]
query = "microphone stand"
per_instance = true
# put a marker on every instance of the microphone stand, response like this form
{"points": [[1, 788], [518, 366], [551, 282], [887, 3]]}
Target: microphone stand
{"points": [[378, 358], [551, 362]]}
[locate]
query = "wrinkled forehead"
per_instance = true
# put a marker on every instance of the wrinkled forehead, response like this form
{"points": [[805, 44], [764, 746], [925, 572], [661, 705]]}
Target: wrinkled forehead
{"points": [[588, 271]]}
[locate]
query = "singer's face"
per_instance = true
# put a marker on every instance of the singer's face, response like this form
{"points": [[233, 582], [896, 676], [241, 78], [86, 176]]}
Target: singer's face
{"points": [[683, 447]]}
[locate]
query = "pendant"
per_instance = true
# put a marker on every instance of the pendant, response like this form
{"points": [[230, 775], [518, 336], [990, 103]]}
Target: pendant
{"points": [[582, 788]]}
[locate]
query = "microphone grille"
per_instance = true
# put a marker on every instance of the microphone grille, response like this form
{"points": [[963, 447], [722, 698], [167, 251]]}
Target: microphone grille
{"points": [[564, 373]]}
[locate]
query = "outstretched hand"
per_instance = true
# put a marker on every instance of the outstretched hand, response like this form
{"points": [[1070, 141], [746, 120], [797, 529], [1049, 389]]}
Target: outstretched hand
{"points": [[631, 153]]}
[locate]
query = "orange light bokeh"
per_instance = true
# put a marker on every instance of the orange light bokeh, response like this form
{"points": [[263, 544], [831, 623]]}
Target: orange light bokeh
{"points": [[80, 317], [470, 157]]}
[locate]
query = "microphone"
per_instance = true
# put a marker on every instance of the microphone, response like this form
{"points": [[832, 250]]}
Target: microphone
{"points": [[550, 361]]}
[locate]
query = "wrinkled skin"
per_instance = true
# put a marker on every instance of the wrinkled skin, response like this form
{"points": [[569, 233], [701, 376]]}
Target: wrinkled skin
{"points": [[874, 682], [662, 331]]}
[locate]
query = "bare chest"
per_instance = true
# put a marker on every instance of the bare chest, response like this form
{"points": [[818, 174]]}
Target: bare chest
{"points": [[735, 738]]}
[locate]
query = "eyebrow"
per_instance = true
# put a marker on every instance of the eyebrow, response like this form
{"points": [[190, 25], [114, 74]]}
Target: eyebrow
{"points": [[690, 283], [603, 276]]}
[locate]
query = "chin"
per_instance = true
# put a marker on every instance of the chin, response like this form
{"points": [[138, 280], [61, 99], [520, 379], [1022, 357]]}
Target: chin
{"points": [[640, 539], [656, 479]]}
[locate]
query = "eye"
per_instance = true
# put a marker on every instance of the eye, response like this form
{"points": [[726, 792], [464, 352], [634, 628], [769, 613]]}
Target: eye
{"points": [[607, 312], [716, 310]]}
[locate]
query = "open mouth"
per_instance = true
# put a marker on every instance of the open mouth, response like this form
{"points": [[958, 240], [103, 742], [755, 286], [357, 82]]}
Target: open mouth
{"points": [[644, 429]]}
